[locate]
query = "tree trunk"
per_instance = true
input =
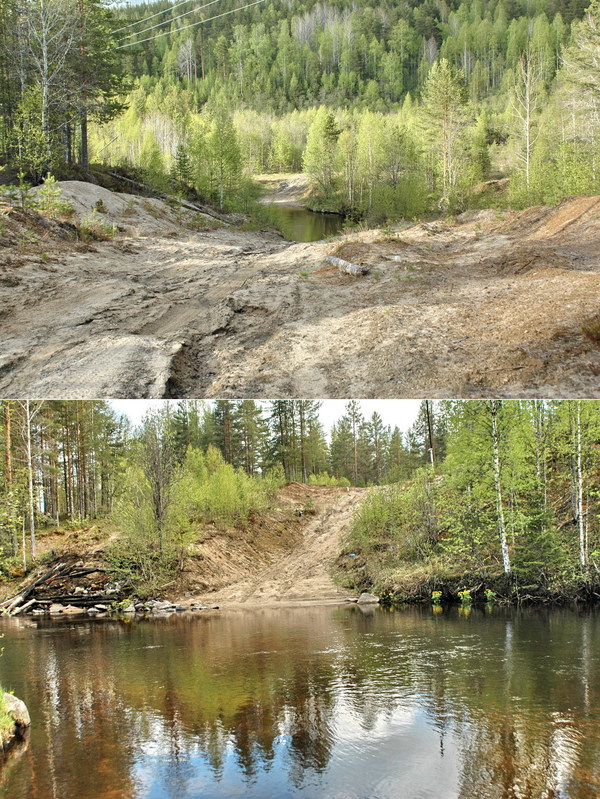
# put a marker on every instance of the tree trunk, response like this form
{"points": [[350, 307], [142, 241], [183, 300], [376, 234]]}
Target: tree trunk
{"points": [[580, 520], [495, 406], [30, 479]]}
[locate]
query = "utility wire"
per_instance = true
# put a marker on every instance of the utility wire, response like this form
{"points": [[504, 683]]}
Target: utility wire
{"points": [[164, 22], [146, 19], [192, 25]]}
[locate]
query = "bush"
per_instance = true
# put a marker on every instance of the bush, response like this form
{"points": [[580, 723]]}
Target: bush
{"points": [[326, 479], [92, 227], [48, 200]]}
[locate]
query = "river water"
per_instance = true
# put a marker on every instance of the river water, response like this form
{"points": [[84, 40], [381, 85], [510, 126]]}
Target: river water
{"points": [[320, 702], [300, 224]]}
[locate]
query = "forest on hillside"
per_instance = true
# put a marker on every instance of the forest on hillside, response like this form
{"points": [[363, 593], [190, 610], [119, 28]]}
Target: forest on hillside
{"points": [[393, 110], [474, 487]]}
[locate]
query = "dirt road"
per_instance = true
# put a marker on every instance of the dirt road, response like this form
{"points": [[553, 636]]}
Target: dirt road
{"points": [[503, 304], [299, 574]]}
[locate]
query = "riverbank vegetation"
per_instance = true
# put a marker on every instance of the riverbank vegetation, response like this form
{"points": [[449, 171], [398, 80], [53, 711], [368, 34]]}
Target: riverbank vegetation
{"points": [[392, 110], [498, 495], [510, 506]]}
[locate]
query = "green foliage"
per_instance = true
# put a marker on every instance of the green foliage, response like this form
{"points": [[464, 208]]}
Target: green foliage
{"points": [[93, 227], [439, 526], [48, 200], [325, 479]]}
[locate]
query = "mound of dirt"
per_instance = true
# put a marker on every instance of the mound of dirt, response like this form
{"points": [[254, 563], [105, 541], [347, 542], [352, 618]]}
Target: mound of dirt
{"points": [[128, 213]]}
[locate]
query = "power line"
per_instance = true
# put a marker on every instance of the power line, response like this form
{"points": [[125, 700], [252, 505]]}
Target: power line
{"points": [[145, 19], [158, 24], [192, 25]]}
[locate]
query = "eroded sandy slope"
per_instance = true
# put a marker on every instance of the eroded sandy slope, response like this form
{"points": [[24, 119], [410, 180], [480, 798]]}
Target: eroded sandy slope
{"points": [[242, 574], [488, 304]]}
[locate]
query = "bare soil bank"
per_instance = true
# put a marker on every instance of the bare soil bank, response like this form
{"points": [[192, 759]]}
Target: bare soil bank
{"points": [[486, 304], [282, 556]]}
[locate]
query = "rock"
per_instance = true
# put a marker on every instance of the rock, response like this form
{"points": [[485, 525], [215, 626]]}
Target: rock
{"points": [[162, 606], [180, 608], [71, 610], [101, 607], [17, 710], [368, 599], [92, 611], [56, 608], [128, 608], [79, 590]]}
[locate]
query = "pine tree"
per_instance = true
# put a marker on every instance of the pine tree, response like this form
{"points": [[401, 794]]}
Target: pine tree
{"points": [[446, 119]]}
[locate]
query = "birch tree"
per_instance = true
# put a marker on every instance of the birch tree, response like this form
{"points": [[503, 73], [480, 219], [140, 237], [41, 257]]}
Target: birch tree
{"points": [[494, 407], [527, 94]]}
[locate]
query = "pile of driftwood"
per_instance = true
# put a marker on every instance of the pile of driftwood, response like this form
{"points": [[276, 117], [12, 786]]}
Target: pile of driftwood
{"points": [[66, 585]]}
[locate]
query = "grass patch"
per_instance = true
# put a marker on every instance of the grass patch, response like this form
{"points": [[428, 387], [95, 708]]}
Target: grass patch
{"points": [[592, 330], [7, 724]]}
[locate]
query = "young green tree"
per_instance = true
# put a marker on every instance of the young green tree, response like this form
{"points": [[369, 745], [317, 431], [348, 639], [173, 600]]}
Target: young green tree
{"points": [[320, 154], [446, 118]]}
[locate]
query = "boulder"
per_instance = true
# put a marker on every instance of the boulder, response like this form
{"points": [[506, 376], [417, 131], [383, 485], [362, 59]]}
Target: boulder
{"points": [[56, 608], [368, 599], [71, 610], [17, 710]]}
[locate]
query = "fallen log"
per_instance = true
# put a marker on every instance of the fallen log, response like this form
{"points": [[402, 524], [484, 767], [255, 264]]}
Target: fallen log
{"points": [[23, 608], [11, 603], [80, 599], [346, 266]]}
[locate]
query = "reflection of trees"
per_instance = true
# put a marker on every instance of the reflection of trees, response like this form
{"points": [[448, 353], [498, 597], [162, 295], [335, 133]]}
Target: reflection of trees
{"points": [[517, 692]]}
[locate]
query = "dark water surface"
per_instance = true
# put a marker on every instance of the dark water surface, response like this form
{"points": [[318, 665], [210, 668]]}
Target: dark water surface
{"points": [[300, 224], [309, 702]]}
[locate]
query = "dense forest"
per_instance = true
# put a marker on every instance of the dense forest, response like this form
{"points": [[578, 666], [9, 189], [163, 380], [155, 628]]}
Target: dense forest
{"points": [[486, 488], [512, 501], [393, 110]]}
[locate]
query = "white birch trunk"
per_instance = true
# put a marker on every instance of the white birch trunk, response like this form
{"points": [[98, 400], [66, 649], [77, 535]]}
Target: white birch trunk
{"points": [[499, 506]]}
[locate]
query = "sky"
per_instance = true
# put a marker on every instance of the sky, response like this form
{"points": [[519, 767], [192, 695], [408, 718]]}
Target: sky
{"points": [[401, 413]]}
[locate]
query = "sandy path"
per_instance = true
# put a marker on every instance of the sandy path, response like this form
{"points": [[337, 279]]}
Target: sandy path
{"points": [[302, 574], [492, 305], [109, 322]]}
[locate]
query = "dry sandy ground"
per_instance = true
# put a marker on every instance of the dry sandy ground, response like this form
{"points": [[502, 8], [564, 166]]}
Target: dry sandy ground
{"points": [[488, 304], [242, 573]]}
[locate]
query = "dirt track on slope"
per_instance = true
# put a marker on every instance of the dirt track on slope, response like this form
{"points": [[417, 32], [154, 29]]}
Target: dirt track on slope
{"points": [[242, 574], [488, 305]]}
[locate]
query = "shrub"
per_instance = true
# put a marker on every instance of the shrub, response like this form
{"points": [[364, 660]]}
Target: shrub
{"points": [[92, 227], [48, 200]]}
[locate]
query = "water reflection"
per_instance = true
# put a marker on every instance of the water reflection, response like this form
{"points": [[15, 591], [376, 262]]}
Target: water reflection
{"points": [[310, 702], [300, 224]]}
